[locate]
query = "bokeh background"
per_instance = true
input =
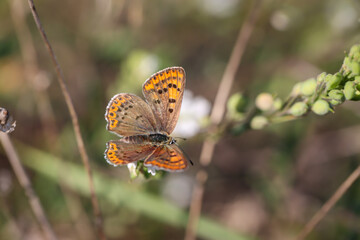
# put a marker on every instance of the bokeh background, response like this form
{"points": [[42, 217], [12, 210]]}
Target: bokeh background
{"points": [[262, 184]]}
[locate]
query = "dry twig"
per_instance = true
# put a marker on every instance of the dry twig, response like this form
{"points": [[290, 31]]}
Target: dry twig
{"points": [[216, 117], [39, 83], [75, 121], [26, 184], [320, 214], [35, 78]]}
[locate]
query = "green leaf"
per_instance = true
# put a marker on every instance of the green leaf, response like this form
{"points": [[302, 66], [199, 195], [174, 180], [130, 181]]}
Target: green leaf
{"points": [[121, 194]]}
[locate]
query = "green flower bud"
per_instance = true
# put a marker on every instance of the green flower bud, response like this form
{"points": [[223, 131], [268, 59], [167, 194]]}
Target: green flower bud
{"points": [[320, 107], [356, 56], [264, 101], [354, 50], [346, 65], [259, 122], [336, 97], [334, 102], [321, 77], [357, 82], [297, 89], [236, 104], [333, 81], [308, 87], [357, 79], [355, 68], [298, 109], [349, 90], [278, 104]]}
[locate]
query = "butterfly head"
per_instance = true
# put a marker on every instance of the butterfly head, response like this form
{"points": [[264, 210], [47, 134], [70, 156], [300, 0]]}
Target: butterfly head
{"points": [[172, 140]]}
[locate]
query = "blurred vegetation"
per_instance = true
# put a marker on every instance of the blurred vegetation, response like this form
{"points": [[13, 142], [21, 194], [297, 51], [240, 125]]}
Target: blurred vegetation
{"points": [[262, 184]]}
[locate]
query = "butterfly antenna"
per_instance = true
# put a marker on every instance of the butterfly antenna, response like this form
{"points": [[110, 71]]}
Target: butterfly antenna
{"points": [[187, 156], [181, 138]]}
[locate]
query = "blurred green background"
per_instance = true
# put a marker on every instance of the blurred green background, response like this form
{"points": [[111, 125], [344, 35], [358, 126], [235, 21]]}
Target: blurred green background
{"points": [[262, 185]]}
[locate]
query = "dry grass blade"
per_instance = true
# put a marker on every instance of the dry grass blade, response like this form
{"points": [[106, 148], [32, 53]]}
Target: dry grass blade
{"points": [[74, 119], [329, 204], [26, 184], [217, 114], [36, 79]]}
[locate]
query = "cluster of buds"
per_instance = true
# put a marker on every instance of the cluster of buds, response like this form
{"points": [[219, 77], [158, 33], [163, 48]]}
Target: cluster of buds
{"points": [[319, 95], [328, 90]]}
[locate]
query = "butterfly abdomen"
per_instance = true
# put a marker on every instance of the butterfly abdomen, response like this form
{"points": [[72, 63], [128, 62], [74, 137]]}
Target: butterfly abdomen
{"points": [[156, 138]]}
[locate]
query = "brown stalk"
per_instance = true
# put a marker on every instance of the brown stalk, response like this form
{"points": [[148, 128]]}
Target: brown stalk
{"points": [[217, 114], [74, 119], [46, 112], [320, 214], [26, 184], [32, 72]]}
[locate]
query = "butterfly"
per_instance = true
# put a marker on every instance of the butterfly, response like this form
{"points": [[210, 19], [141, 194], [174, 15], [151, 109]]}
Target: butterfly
{"points": [[144, 127]]}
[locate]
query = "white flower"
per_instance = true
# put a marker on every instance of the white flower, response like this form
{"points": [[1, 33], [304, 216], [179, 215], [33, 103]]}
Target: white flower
{"points": [[132, 169], [193, 111], [151, 170]]}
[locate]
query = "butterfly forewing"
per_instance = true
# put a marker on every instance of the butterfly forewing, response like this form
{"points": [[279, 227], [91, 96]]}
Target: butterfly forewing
{"points": [[129, 115], [121, 152], [167, 157], [138, 122], [164, 92]]}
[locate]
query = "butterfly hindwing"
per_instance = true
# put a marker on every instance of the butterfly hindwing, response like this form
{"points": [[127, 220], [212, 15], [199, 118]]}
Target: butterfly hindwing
{"points": [[164, 92], [128, 115], [145, 125], [167, 157], [120, 152]]}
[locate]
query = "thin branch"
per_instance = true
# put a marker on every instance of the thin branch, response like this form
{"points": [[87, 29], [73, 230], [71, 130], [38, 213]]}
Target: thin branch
{"points": [[216, 117], [32, 72], [329, 204], [26, 184], [75, 121], [35, 78]]}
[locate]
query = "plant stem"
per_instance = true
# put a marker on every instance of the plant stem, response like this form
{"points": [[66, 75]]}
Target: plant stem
{"points": [[75, 121], [320, 214], [26, 184], [216, 117]]}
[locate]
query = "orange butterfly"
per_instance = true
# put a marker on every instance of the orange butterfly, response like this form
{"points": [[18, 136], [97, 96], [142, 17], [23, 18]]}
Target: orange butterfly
{"points": [[145, 127]]}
